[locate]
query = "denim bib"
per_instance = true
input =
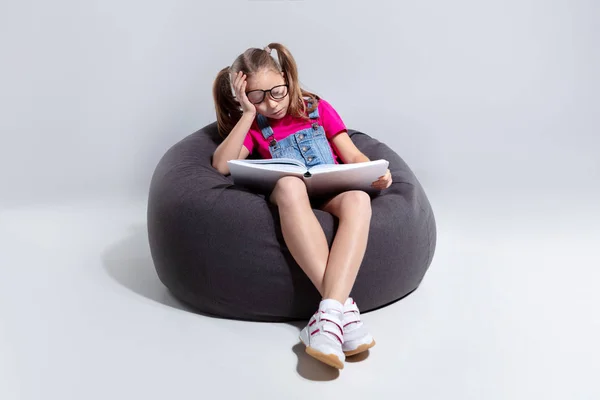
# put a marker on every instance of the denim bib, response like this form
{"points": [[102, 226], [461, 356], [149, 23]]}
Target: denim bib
{"points": [[309, 145]]}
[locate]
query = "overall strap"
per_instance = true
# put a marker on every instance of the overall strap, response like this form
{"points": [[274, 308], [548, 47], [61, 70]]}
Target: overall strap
{"points": [[264, 126], [266, 129], [314, 114]]}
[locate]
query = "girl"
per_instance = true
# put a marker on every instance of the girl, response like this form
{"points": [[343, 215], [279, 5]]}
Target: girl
{"points": [[272, 116]]}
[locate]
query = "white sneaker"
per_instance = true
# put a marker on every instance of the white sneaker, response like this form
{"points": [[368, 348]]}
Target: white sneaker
{"points": [[324, 336], [356, 337]]}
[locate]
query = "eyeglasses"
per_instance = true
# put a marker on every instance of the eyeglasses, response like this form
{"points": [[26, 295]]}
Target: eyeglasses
{"points": [[277, 93]]}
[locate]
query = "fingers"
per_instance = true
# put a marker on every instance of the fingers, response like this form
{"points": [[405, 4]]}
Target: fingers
{"points": [[239, 82], [379, 184], [243, 90], [242, 81], [236, 83], [383, 182]]}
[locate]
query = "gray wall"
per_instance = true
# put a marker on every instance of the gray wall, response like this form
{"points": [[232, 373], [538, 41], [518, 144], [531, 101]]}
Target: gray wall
{"points": [[472, 94]]}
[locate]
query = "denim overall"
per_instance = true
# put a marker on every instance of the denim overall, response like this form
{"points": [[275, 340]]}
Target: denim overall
{"points": [[309, 145]]}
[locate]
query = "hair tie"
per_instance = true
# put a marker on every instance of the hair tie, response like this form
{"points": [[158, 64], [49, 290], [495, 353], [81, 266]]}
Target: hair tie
{"points": [[268, 49]]}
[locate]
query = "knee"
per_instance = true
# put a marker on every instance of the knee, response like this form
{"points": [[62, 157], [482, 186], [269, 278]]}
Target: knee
{"points": [[356, 202], [289, 190]]}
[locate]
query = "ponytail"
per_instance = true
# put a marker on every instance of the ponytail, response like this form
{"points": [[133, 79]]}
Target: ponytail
{"points": [[226, 106]]}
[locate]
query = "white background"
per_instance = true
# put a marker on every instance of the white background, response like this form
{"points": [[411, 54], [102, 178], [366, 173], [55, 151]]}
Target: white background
{"points": [[470, 93]]}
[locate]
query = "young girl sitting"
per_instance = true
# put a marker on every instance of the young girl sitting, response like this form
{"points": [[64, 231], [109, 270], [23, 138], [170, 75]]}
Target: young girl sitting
{"points": [[270, 115]]}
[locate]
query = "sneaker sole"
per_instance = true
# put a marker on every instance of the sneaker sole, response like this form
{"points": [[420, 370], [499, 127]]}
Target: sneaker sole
{"points": [[359, 349], [330, 359]]}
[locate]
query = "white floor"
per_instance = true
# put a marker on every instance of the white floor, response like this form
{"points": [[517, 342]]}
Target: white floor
{"points": [[508, 310]]}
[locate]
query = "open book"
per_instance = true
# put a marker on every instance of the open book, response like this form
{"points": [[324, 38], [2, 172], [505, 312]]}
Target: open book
{"points": [[323, 179]]}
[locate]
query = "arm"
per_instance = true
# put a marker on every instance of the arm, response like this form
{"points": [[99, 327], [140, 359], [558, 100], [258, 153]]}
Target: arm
{"points": [[351, 154], [347, 150], [232, 148]]}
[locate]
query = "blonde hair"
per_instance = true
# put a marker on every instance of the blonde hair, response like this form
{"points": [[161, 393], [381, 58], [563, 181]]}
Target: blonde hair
{"points": [[251, 62]]}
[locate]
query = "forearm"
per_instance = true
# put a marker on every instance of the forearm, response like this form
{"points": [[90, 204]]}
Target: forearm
{"points": [[359, 158], [230, 148]]}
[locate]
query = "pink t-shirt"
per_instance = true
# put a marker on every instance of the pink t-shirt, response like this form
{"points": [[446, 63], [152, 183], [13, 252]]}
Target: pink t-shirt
{"points": [[329, 119]]}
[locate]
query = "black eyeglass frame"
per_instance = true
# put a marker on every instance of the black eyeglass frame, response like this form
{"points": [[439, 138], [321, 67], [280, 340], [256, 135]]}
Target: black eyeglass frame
{"points": [[270, 93]]}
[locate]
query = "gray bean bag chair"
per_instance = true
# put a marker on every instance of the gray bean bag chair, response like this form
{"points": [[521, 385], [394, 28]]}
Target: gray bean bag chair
{"points": [[218, 247]]}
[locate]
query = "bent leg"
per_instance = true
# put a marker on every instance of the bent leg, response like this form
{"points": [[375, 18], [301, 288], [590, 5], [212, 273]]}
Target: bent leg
{"points": [[301, 230]]}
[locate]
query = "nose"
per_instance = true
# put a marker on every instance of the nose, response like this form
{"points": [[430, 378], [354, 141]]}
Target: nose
{"points": [[270, 102]]}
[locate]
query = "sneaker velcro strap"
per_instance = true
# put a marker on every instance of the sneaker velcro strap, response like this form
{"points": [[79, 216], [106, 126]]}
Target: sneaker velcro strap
{"points": [[350, 308], [332, 325], [350, 318]]}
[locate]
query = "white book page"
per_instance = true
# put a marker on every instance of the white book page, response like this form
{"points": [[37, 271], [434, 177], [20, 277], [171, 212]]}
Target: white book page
{"points": [[262, 176], [273, 161], [324, 168], [357, 176], [280, 167]]}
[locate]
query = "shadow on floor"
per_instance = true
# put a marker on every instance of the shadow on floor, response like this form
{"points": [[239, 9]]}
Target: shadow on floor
{"points": [[308, 367], [130, 264], [314, 370]]}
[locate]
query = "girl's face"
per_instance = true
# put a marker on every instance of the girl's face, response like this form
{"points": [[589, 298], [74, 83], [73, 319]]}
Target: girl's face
{"points": [[265, 80]]}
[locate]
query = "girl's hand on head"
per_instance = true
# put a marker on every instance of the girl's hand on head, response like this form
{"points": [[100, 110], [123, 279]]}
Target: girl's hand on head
{"points": [[383, 182], [239, 86]]}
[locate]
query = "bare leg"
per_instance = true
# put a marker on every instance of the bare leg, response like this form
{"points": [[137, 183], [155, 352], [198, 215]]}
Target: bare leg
{"points": [[333, 273], [301, 230], [353, 208]]}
